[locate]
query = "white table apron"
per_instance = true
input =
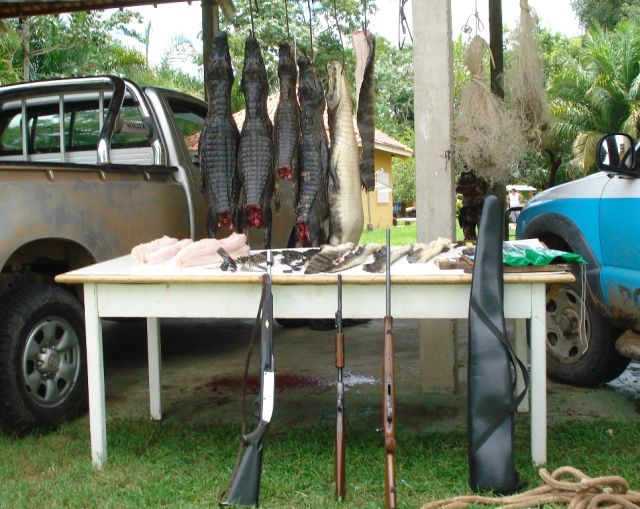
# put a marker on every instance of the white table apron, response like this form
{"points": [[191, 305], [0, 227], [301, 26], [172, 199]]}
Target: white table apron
{"points": [[297, 297]]}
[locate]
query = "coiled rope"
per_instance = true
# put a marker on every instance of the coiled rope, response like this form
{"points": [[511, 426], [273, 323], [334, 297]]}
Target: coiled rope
{"points": [[578, 492]]}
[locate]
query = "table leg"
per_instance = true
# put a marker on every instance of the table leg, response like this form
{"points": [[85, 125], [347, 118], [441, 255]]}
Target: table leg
{"points": [[538, 375], [95, 377], [154, 355], [521, 351]]}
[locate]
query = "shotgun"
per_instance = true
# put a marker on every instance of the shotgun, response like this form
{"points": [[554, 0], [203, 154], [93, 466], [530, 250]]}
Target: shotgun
{"points": [[340, 439], [244, 488], [389, 392]]}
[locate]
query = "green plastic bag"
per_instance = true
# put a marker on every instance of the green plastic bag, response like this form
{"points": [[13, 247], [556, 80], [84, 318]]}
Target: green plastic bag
{"points": [[520, 256]]}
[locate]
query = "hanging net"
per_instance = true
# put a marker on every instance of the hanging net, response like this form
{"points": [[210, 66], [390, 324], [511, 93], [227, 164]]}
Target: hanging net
{"points": [[525, 80], [488, 139]]}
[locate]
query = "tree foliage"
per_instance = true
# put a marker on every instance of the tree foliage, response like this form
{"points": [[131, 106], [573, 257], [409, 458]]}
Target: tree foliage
{"points": [[605, 13], [323, 33], [598, 90], [75, 44]]}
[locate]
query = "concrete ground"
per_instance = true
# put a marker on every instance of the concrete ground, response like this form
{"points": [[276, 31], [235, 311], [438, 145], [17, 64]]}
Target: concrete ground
{"points": [[203, 365]]}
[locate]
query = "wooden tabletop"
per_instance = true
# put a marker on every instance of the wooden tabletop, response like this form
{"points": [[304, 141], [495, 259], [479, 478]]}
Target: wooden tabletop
{"points": [[123, 271]]}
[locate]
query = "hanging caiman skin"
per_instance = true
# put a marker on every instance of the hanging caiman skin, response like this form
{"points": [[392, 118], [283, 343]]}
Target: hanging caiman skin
{"points": [[365, 45], [286, 137], [286, 132], [313, 205], [219, 138], [255, 155], [346, 218]]}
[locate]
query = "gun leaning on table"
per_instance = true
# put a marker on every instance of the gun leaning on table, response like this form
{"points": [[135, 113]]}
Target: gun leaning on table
{"points": [[340, 409], [244, 488], [389, 393]]}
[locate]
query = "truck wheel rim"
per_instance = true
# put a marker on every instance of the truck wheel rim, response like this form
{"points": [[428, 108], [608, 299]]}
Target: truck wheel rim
{"points": [[566, 340], [51, 361]]}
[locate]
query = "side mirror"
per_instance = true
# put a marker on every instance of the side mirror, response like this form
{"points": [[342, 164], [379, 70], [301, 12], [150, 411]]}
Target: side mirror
{"points": [[616, 153]]}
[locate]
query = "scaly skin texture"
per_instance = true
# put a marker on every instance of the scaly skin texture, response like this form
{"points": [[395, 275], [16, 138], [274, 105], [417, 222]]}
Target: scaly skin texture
{"points": [[366, 109], [313, 205], [287, 118], [219, 138], [345, 199], [255, 155]]}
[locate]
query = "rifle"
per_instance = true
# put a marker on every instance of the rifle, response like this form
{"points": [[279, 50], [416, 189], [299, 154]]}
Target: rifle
{"points": [[340, 440], [389, 392], [244, 488]]}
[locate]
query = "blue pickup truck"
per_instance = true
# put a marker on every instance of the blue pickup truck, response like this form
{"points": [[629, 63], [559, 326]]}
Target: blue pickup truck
{"points": [[597, 216]]}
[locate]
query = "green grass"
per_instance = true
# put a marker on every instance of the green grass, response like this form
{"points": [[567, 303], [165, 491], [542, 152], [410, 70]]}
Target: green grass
{"points": [[400, 235], [171, 465]]}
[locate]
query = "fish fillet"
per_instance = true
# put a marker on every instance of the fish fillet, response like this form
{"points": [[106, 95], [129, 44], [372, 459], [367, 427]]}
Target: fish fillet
{"points": [[205, 251], [139, 252], [166, 253]]}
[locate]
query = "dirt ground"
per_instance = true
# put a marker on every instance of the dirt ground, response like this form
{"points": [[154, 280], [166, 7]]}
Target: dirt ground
{"points": [[203, 366]]}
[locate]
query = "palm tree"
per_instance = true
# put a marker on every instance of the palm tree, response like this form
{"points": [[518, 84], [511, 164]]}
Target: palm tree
{"points": [[599, 91]]}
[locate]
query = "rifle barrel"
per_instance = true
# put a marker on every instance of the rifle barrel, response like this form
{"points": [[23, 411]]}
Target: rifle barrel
{"points": [[340, 418], [388, 264], [389, 392]]}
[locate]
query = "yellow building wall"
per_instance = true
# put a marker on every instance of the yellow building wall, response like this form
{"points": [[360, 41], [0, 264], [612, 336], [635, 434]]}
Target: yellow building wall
{"points": [[381, 213]]}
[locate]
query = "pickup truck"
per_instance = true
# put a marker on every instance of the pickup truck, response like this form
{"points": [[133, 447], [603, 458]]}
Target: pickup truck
{"points": [[597, 216], [89, 167]]}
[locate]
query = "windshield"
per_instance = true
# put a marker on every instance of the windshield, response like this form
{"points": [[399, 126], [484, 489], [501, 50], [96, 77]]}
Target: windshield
{"points": [[189, 119]]}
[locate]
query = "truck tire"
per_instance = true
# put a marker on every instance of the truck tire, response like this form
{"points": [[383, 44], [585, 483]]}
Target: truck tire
{"points": [[43, 374], [586, 360]]}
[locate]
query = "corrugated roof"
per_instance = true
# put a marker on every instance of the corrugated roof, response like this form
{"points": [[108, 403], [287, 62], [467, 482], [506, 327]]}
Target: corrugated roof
{"points": [[19, 9], [382, 142]]}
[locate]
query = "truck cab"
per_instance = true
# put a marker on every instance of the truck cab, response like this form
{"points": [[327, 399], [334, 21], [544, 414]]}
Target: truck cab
{"points": [[89, 167], [597, 216]]}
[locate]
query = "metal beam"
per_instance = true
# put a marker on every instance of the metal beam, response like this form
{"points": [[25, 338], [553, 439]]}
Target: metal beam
{"points": [[495, 43], [210, 25]]}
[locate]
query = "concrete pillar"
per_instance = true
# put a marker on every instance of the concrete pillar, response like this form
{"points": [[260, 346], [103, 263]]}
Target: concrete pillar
{"points": [[435, 189]]}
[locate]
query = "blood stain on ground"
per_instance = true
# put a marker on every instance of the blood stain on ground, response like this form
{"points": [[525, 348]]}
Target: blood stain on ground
{"points": [[283, 381]]}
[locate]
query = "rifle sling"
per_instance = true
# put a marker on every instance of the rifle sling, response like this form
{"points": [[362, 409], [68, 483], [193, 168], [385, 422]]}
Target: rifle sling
{"points": [[243, 414], [514, 359]]}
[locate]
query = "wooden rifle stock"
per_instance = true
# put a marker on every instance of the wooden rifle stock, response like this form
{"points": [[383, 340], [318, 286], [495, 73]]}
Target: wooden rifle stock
{"points": [[389, 394], [340, 419]]}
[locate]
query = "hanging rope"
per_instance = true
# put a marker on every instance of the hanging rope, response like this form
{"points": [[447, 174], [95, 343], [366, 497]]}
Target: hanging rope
{"points": [[310, 30], [468, 29], [335, 16], [581, 491], [286, 17], [364, 15], [251, 16], [403, 25]]}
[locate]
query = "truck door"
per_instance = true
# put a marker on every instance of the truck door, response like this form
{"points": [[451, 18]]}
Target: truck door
{"points": [[619, 229]]}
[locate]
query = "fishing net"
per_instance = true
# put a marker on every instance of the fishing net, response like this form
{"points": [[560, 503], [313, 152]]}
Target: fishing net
{"points": [[487, 135], [525, 80]]}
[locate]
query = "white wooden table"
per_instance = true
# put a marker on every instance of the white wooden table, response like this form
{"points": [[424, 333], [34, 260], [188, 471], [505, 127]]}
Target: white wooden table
{"points": [[116, 288]]}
